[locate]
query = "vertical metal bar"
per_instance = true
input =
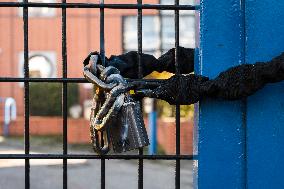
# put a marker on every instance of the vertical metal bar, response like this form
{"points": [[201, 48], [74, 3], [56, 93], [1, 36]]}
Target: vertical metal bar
{"points": [[64, 95], [160, 31], [177, 170], [103, 174], [102, 52], [140, 75], [26, 95], [102, 33], [139, 33]]}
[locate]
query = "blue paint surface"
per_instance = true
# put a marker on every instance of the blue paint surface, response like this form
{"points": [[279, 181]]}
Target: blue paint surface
{"points": [[240, 144], [265, 110], [153, 132], [221, 147]]}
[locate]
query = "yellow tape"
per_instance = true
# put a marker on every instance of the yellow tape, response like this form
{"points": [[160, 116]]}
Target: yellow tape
{"points": [[132, 92]]}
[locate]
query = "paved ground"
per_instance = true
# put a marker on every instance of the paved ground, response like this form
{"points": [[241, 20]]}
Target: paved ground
{"points": [[85, 174]]}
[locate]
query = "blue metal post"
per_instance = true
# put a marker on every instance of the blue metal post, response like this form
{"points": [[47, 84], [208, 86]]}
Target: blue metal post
{"points": [[265, 109], [220, 125], [240, 144], [153, 132]]}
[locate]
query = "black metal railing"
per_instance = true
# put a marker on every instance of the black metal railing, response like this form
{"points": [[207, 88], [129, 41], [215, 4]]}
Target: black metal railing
{"points": [[65, 80]]}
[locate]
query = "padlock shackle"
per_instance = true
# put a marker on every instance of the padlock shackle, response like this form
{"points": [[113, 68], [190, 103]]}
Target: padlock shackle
{"points": [[97, 144]]}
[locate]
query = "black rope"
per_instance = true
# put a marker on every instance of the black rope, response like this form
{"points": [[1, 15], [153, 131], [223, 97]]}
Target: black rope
{"points": [[235, 83], [119, 108], [127, 63]]}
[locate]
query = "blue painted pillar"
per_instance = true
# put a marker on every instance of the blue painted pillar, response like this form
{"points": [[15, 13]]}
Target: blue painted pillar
{"points": [[265, 109], [220, 125], [240, 144]]}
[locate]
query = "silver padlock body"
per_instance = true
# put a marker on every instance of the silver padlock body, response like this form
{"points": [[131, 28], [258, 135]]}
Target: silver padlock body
{"points": [[129, 132]]}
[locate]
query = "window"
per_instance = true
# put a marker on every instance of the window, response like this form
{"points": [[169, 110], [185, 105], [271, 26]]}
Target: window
{"points": [[150, 33], [158, 30], [41, 64], [40, 11]]}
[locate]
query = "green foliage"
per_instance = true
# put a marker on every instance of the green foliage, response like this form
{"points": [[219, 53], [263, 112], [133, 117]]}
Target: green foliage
{"points": [[46, 98], [160, 150], [164, 109]]}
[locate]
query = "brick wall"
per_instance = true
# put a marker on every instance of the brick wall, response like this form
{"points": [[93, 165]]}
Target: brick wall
{"points": [[82, 38], [78, 131], [167, 138]]}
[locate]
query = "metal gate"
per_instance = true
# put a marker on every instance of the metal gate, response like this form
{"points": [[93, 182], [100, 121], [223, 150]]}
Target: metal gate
{"points": [[65, 80]]}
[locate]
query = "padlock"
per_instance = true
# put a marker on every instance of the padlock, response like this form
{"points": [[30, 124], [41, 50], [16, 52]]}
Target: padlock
{"points": [[128, 131]]}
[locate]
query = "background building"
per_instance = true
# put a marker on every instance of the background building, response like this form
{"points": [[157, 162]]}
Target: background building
{"points": [[82, 38]]}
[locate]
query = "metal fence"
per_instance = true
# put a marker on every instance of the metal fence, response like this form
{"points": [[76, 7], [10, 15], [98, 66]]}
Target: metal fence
{"points": [[139, 6]]}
